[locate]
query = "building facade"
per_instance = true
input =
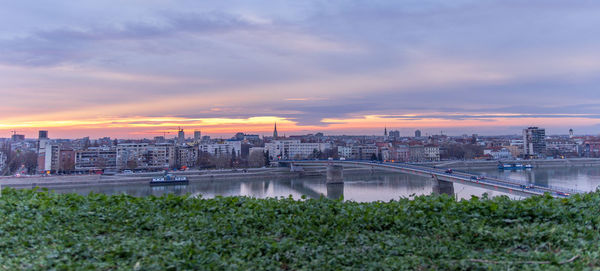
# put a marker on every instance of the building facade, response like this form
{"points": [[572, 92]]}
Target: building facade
{"points": [[95, 158], [145, 156], [431, 153], [534, 142], [3, 160], [222, 148], [294, 149]]}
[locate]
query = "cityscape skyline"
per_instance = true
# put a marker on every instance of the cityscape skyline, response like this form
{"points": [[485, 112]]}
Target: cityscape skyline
{"points": [[486, 67], [178, 132]]}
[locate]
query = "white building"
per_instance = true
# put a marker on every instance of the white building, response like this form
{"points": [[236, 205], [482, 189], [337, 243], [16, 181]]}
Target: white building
{"points": [[222, 148], [431, 153], [294, 149], [3, 159], [501, 154], [344, 151], [145, 156], [95, 158]]}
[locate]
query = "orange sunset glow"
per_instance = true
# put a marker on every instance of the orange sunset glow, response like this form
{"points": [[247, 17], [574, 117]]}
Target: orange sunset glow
{"points": [[242, 70]]}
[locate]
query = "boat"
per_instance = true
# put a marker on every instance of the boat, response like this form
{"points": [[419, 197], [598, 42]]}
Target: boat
{"points": [[169, 179], [511, 166], [528, 166]]}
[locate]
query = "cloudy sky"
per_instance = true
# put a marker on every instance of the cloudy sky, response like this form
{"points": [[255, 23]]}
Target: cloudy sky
{"points": [[138, 68]]}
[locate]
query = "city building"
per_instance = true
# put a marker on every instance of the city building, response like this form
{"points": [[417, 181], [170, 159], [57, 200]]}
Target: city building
{"points": [[186, 156], [534, 142], [222, 148], [402, 153], [17, 137], [143, 156], [499, 153], [180, 136], [3, 160], [431, 153], [197, 136], [344, 151], [418, 133], [417, 153], [294, 149], [42, 134], [48, 158], [95, 158], [364, 152], [394, 135], [515, 150]]}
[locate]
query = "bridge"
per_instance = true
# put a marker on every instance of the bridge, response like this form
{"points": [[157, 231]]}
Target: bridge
{"points": [[444, 178]]}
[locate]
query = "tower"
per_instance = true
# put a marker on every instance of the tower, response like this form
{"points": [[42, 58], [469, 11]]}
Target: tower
{"points": [[275, 136], [180, 136], [534, 142], [385, 134], [570, 133]]}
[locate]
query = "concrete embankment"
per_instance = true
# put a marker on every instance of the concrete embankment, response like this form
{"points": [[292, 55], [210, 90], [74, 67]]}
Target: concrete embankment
{"points": [[536, 163], [82, 180], [124, 179]]}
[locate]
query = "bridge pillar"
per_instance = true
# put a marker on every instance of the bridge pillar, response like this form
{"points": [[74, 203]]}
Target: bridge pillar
{"points": [[442, 187], [335, 190], [335, 174]]}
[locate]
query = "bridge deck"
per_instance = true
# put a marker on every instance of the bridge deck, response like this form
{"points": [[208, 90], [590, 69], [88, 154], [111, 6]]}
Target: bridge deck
{"points": [[503, 184]]}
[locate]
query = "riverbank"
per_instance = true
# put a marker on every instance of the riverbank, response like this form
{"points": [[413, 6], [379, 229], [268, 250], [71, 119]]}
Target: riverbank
{"points": [[44, 231], [125, 179]]}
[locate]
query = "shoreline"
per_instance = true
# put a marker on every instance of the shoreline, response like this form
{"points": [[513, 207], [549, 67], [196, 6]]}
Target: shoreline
{"points": [[68, 181], [65, 181]]}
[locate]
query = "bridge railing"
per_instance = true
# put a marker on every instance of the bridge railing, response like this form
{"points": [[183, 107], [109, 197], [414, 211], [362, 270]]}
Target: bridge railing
{"points": [[515, 183]]}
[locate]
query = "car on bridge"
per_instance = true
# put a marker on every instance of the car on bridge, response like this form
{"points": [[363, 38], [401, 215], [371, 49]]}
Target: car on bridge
{"points": [[562, 193], [449, 171], [476, 178]]}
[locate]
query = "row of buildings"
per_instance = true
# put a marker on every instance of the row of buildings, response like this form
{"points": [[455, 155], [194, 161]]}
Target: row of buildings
{"points": [[134, 156], [84, 155]]}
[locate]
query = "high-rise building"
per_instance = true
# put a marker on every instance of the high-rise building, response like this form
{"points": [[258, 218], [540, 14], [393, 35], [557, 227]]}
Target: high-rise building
{"points": [[197, 136], [534, 142], [394, 134], [180, 136], [43, 134], [418, 133], [570, 133], [17, 137]]}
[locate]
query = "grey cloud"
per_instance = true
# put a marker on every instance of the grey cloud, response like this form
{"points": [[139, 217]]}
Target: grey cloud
{"points": [[491, 117], [69, 44]]}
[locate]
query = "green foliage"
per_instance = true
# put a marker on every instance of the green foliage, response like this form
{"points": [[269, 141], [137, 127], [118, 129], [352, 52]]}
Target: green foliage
{"points": [[49, 231]]}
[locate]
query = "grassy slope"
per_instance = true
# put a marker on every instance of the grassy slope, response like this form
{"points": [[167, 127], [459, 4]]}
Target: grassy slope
{"points": [[45, 230]]}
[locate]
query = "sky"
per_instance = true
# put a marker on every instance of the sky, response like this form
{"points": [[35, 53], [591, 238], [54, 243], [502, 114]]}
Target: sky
{"points": [[143, 68]]}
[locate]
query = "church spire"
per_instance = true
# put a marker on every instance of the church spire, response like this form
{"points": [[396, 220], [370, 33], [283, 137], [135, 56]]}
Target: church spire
{"points": [[275, 136]]}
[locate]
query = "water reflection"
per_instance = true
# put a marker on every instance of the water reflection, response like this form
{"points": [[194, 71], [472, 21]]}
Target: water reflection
{"points": [[579, 178], [335, 191], [364, 186]]}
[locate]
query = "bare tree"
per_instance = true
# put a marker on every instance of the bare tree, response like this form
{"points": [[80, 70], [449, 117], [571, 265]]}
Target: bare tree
{"points": [[256, 159]]}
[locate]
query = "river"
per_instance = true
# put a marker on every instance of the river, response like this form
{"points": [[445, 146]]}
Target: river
{"points": [[362, 186]]}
